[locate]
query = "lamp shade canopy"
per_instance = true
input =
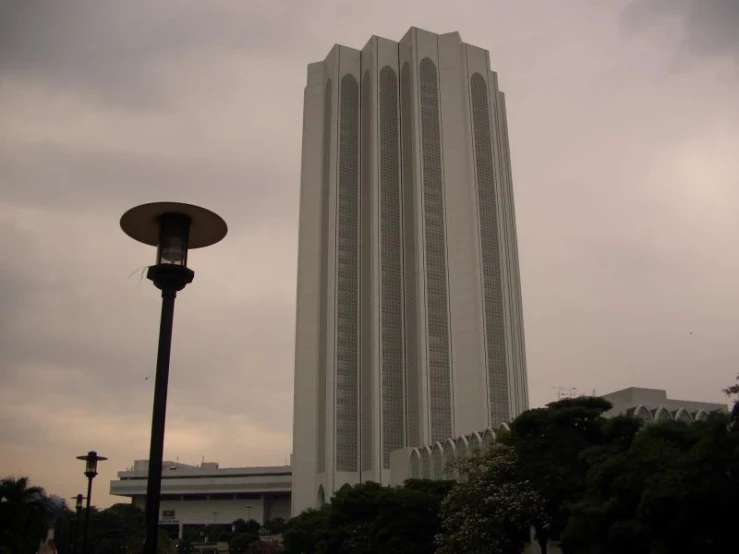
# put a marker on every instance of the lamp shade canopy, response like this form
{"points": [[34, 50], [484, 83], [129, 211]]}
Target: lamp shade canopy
{"points": [[91, 460], [145, 224]]}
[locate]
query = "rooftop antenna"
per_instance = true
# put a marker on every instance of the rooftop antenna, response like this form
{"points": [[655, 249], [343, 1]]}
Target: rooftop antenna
{"points": [[565, 392]]}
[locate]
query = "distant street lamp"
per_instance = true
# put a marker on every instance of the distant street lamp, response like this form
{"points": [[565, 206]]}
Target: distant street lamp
{"points": [[74, 528], [173, 228], [91, 460], [248, 512]]}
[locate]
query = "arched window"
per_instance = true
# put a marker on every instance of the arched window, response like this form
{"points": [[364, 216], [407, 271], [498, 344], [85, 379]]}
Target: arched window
{"points": [[450, 456], [415, 464], [425, 463], [662, 415], [475, 444], [437, 461], [488, 438], [462, 447]]}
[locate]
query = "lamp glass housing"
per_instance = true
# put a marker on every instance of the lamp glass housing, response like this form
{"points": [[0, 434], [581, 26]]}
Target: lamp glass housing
{"points": [[91, 464], [174, 233]]}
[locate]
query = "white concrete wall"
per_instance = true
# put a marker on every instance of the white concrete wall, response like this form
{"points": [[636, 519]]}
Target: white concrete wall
{"points": [[470, 401], [307, 329], [653, 399], [400, 466], [206, 512], [513, 304], [415, 45], [213, 511]]}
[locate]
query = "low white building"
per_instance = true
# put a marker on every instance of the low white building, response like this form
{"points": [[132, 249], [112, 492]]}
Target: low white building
{"points": [[653, 405], [208, 494]]}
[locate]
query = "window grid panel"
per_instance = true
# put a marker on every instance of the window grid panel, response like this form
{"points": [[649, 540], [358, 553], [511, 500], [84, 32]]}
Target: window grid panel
{"points": [[437, 309], [366, 416], [413, 428], [391, 261], [490, 247], [347, 290]]}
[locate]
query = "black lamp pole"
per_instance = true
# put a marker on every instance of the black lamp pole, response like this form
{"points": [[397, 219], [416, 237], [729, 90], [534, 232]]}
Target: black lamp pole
{"points": [[173, 228], [74, 527], [91, 460], [170, 280]]}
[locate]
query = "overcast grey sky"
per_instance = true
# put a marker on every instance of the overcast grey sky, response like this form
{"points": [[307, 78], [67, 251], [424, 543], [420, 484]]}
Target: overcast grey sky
{"points": [[624, 127]]}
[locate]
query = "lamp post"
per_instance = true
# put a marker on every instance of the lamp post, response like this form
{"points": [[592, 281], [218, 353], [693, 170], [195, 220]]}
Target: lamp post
{"points": [[173, 228], [91, 460], [74, 528], [248, 512]]}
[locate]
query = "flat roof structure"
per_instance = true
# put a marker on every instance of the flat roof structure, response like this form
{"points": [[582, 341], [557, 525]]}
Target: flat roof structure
{"points": [[207, 493]]}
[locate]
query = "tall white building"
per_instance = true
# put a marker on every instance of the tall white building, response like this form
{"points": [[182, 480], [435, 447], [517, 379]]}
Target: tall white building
{"points": [[409, 319]]}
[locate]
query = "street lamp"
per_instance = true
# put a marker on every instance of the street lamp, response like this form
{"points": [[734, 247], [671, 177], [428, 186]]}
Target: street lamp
{"points": [[248, 512], [91, 460], [173, 228], [74, 527]]}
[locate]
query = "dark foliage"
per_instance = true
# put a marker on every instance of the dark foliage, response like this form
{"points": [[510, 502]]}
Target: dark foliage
{"points": [[371, 518], [549, 443], [671, 489]]}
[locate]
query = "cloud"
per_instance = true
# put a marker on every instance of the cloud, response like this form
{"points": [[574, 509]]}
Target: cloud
{"points": [[71, 334], [705, 27], [79, 343], [624, 179], [126, 52], [106, 107]]}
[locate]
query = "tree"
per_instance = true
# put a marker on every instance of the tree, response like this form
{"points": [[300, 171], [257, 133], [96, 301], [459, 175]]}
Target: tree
{"points": [[307, 532], [275, 525], [671, 489], [407, 518], [27, 513], [371, 518], [241, 541], [733, 390], [491, 509], [115, 529], [242, 526], [63, 529], [549, 443], [244, 534], [24, 515]]}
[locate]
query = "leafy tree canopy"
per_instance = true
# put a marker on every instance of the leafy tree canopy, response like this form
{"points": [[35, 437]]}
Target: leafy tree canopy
{"points": [[549, 443], [671, 489], [492, 508], [25, 514], [371, 518]]}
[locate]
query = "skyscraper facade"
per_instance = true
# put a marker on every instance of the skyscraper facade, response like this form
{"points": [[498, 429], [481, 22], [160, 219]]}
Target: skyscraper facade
{"points": [[409, 322]]}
